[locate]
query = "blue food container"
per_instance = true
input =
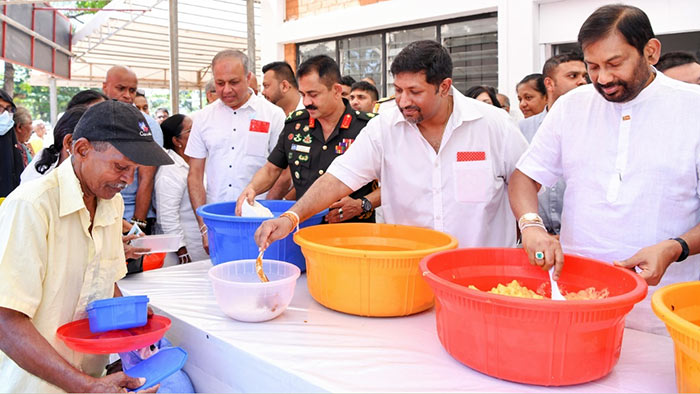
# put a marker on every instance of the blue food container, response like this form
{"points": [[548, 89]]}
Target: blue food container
{"points": [[231, 237], [118, 313], [158, 367]]}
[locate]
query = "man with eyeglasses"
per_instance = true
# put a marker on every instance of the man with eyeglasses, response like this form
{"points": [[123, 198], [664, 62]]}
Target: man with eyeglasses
{"points": [[10, 158]]}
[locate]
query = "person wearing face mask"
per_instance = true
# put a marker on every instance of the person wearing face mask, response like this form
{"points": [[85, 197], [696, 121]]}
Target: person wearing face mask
{"points": [[61, 247], [11, 164]]}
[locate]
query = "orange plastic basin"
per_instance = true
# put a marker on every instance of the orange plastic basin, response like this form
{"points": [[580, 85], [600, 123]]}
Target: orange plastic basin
{"points": [[678, 306], [370, 269], [544, 342]]}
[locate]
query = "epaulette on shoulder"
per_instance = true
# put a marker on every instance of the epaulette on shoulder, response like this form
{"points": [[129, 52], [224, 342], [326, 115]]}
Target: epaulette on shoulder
{"points": [[365, 115], [295, 115], [385, 99]]}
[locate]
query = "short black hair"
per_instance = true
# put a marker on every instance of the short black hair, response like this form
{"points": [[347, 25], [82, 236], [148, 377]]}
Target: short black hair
{"points": [[347, 80], [475, 91], [326, 68], [629, 21], [367, 87], [162, 109], [140, 93], [424, 56], [172, 127], [86, 97], [675, 59], [553, 62], [283, 71], [539, 82]]}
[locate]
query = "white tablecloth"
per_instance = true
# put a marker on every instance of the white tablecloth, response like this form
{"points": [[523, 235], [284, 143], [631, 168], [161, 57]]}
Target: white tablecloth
{"points": [[313, 349]]}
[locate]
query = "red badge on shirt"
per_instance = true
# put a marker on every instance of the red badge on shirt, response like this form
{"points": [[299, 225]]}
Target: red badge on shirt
{"points": [[312, 123], [259, 126], [346, 121], [471, 156]]}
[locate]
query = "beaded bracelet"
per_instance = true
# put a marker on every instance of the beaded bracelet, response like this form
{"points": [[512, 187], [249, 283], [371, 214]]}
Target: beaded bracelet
{"points": [[291, 215]]}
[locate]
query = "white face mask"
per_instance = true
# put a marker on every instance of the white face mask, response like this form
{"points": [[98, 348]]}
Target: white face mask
{"points": [[6, 122]]}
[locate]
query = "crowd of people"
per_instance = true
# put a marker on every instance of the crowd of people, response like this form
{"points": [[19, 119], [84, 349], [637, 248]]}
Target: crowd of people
{"points": [[604, 164]]}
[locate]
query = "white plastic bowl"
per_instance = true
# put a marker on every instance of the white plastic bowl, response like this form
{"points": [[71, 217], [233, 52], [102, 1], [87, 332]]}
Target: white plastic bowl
{"points": [[242, 296], [158, 243]]}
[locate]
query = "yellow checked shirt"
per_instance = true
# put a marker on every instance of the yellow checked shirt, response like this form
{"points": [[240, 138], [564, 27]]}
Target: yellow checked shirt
{"points": [[51, 267]]}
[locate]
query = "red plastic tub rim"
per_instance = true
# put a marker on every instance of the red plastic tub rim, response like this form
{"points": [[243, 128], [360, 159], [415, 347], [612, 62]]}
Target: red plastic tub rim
{"points": [[627, 299]]}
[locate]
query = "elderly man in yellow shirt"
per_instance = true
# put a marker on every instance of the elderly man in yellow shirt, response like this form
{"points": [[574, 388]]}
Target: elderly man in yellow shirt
{"points": [[61, 248]]}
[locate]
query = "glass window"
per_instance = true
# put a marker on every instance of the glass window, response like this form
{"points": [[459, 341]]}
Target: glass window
{"points": [[397, 40], [473, 46], [318, 48], [361, 57]]}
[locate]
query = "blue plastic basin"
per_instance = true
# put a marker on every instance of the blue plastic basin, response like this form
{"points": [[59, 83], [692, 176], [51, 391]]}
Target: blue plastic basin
{"points": [[231, 237], [117, 313]]}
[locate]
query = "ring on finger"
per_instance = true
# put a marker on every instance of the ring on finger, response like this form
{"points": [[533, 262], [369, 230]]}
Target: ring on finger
{"points": [[539, 255], [341, 215], [340, 211]]}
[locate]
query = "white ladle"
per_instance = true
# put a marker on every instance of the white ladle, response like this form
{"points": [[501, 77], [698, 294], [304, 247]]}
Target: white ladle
{"points": [[556, 294]]}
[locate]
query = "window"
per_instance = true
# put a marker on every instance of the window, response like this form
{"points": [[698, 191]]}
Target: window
{"points": [[473, 46], [319, 48], [361, 57], [398, 40], [472, 43]]}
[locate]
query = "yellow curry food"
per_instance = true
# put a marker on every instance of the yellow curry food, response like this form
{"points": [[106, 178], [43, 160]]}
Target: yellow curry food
{"points": [[515, 289]]}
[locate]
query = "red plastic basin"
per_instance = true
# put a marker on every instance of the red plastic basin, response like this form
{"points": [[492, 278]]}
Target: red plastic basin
{"points": [[544, 342], [77, 336]]}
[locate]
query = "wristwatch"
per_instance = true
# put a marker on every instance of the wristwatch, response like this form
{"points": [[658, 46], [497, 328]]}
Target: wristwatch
{"points": [[366, 205]]}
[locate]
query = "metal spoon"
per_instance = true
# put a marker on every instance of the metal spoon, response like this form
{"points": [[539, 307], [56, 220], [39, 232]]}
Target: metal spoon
{"points": [[259, 268], [556, 294]]}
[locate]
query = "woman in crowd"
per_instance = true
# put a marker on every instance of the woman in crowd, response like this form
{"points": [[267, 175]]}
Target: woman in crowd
{"points": [[51, 157], [175, 215], [486, 94], [532, 95], [23, 130]]}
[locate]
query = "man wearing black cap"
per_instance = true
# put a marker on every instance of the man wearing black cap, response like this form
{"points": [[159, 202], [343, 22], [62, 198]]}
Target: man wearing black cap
{"points": [[61, 248], [11, 164]]}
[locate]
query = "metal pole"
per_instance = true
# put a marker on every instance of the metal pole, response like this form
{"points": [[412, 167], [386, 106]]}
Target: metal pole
{"points": [[53, 100], [250, 13], [174, 60]]}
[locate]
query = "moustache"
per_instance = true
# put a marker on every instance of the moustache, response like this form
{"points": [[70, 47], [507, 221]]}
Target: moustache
{"points": [[120, 186], [413, 107], [611, 84], [311, 107]]}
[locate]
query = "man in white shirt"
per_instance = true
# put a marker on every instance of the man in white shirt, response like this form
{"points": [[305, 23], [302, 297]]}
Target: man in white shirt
{"points": [[233, 136], [562, 73], [280, 87], [443, 159], [627, 147]]}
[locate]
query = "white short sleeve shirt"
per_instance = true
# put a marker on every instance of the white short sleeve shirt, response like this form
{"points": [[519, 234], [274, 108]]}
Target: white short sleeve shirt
{"points": [[631, 171], [235, 143], [461, 190]]}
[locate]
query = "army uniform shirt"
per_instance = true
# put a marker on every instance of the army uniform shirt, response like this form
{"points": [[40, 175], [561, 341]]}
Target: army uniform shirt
{"points": [[301, 147]]}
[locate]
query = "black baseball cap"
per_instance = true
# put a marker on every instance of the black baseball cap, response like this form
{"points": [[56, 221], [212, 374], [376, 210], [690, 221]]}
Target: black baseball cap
{"points": [[123, 126]]}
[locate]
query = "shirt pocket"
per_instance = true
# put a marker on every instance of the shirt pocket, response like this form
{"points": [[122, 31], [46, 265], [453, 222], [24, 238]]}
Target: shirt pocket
{"points": [[256, 144], [473, 181]]}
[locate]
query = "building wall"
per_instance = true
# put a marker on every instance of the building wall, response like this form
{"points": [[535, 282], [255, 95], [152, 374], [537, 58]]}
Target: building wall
{"points": [[296, 9]]}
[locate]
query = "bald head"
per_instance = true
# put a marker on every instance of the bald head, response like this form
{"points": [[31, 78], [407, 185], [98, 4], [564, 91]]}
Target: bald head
{"points": [[120, 84]]}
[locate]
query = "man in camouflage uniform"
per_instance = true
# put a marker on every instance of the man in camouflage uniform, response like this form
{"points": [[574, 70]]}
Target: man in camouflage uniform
{"points": [[312, 138]]}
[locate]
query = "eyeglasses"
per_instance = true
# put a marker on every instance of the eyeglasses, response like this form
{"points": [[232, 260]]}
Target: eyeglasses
{"points": [[9, 109]]}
